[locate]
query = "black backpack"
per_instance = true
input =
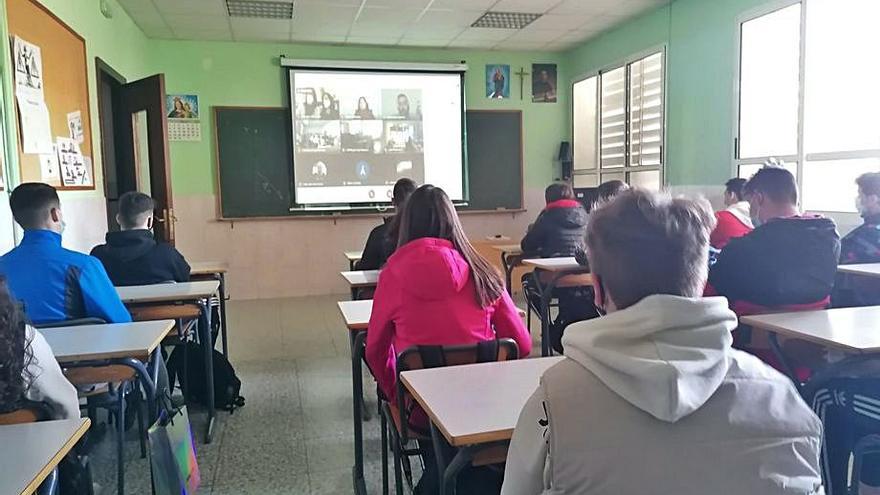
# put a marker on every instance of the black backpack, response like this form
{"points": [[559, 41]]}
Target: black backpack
{"points": [[226, 384]]}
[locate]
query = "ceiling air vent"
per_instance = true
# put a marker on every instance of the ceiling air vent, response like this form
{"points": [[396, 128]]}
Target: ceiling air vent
{"points": [[505, 20], [259, 8]]}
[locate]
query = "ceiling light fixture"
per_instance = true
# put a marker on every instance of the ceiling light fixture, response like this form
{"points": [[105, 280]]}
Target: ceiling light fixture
{"points": [[505, 20], [259, 8]]}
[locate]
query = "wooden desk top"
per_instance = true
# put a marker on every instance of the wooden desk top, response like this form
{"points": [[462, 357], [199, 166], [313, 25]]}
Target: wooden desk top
{"points": [[556, 264], [356, 313], [507, 248], [208, 267], [852, 330], [495, 393], [354, 255], [361, 278], [865, 269], [184, 291], [32, 450], [117, 340]]}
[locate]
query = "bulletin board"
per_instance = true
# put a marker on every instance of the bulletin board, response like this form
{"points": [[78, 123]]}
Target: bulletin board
{"points": [[65, 76]]}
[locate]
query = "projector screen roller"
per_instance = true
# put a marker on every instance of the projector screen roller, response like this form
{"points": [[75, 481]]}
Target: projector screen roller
{"points": [[356, 132]]}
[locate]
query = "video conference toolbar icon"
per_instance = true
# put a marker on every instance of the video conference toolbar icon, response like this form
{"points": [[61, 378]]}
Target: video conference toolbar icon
{"points": [[362, 169], [372, 194]]}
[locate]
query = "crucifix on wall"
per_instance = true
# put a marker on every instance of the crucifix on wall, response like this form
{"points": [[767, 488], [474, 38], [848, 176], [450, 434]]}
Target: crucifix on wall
{"points": [[522, 77]]}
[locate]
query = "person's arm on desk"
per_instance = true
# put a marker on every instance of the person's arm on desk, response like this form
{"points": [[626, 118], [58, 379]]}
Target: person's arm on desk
{"points": [[527, 455], [99, 296], [380, 352], [534, 239], [508, 324]]}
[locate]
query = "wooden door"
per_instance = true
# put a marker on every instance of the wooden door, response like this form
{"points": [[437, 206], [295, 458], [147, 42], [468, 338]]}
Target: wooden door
{"points": [[143, 139]]}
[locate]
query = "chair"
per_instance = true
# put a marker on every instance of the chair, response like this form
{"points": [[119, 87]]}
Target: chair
{"points": [[75, 322], [397, 417], [32, 412]]}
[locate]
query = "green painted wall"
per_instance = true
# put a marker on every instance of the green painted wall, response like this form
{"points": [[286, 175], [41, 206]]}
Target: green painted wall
{"points": [[225, 73], [700, 37]]}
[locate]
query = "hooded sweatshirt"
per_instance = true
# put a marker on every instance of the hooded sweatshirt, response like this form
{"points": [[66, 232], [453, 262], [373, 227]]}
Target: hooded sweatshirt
{"points": [[560, 230], [133, 257], [731, 222], [426, 295], [653, 399]]}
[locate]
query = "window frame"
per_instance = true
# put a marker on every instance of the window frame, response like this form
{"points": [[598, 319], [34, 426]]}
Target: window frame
{"points": [[598, 171], [801, 158]]}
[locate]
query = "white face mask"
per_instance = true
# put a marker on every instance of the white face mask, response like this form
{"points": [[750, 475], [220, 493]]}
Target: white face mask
{"points": [[860, 205]]}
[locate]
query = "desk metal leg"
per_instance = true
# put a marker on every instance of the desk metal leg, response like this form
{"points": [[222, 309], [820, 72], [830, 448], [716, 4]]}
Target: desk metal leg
{"points": [[783, 361], [50, 484], [508, 273], [208, 348], [223, 332], [356, 339]]}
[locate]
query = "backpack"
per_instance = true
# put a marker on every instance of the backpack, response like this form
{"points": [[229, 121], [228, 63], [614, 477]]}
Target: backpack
{"points": [[226, 383]]}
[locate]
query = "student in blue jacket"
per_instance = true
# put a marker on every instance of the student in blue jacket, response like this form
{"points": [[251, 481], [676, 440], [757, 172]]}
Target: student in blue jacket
{"points": [[54, 283]]}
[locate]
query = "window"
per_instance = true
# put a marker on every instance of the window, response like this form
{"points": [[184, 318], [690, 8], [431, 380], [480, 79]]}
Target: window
{"points": [[618, 124], [805, 96]]}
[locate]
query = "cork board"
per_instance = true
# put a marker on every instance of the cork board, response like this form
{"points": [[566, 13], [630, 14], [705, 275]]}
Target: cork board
{"points": [[65, 76]]}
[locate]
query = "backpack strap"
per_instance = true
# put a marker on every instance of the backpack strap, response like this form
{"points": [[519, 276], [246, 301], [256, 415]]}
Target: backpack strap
{"points": [[487, 351]]}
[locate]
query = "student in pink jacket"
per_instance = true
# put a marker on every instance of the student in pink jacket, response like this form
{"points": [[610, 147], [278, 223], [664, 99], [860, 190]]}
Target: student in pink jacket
{"points": [[436, 290]]}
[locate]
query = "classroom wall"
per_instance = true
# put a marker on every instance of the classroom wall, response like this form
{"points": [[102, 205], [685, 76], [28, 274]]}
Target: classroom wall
{"points": [[279, 258]]}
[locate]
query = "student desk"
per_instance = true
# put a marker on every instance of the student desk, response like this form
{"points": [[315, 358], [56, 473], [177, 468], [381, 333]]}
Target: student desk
{"points": [[357, 317], [31, 452], [214, 270], [353, 257], [550, 274], [849, 330], [360, 279], [197, 293], [864, 269], [494, 393], [511, 257]]}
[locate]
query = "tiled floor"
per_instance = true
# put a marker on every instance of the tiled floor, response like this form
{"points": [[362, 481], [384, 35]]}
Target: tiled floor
{"points": [[294, 435]]}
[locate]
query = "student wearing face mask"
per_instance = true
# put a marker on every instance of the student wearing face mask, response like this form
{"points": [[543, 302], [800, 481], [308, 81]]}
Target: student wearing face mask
{"points": [[862, 245], [52, 282], [788, 262], [734, 220]]}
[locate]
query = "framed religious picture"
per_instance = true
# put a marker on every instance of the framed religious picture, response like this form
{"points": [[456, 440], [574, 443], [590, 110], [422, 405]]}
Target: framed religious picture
{"points": [[544, 83], [497, 81]]}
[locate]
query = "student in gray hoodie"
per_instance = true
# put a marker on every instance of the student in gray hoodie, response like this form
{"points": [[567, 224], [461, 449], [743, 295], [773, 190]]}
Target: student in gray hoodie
{"points": [[652, 398]]}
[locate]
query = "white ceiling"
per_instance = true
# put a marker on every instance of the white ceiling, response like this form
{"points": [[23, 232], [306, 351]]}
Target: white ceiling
{"points": [[426, 23]]}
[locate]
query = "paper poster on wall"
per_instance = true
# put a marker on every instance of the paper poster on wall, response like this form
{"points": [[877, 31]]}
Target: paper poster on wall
{"points": [[36, 131], [72, 164], [75, 125], [28, 69], [183, 118], [49, 166]]}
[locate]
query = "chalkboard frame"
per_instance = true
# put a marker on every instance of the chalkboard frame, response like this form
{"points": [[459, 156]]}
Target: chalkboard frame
{"points": [[355, 213]]}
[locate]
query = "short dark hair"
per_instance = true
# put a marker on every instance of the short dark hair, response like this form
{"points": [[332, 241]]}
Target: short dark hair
{"points": [[611, 188], [31, 202], [402, 189], [636, 222], [132, 206], [869, 183], [776, 183], [557, 191], [735, 186]]}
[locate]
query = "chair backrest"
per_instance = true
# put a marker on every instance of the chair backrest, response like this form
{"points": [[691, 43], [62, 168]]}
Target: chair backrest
{"points": [[76, 322], [436, 356], [26, 412]]}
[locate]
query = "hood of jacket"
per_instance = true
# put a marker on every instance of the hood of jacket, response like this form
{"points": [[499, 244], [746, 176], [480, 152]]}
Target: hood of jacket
{"points": [[429, 268], [742, 213], [566, 214], [129, 245], [666, 355]]}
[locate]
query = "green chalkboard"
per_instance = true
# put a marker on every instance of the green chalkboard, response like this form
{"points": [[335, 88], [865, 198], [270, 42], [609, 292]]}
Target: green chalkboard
{"points": [[254, 163]]}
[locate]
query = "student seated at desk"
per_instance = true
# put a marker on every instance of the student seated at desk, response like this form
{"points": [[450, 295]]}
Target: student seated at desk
{"points": [[788, 262], [436, 290], [382, 240], [54, 283], [652, 398], [28, 370], [132, 256], [734, 220], [560, 230], [862, 245]]}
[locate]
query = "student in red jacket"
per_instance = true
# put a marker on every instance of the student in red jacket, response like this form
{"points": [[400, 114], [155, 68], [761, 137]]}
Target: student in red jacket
{"points": [[734, 220], [436, 290]]}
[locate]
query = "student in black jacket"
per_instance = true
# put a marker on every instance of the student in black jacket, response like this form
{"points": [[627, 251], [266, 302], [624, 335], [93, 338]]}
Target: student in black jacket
{"points": [[559, 230], [382, 241], [132, 256], [862, 245]]}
